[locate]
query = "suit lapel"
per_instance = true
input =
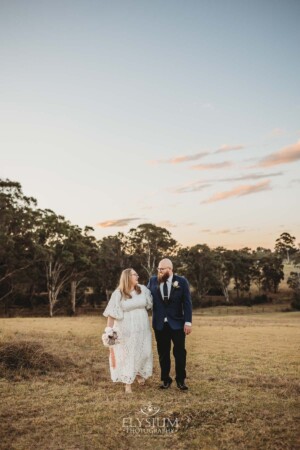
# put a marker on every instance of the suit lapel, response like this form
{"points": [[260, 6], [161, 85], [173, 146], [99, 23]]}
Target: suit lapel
{"points": [[158, 290], [172, 285]]}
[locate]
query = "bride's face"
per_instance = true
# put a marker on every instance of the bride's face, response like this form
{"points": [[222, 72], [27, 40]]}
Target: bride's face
{"points": [[134, 278]]}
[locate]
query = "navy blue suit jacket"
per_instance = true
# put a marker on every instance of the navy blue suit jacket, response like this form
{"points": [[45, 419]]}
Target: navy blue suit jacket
{"points": [[179, 309]]}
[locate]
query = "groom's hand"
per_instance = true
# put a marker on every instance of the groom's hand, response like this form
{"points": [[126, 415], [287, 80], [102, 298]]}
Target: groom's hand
{"points": [[187, 329]]}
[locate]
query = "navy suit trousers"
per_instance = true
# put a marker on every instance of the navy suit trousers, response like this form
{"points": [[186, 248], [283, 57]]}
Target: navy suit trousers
{"points": [[164, 338]]}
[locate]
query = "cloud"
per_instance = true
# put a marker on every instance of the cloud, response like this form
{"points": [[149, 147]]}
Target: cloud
{"points": [[166, 224], [197, 186], [191, 187], [254, 176], [240, 191], [276, 132], [196, 156], [225, 231], [220, 165], [180, 159], [229, 148], [117, 222], [284, 156]]}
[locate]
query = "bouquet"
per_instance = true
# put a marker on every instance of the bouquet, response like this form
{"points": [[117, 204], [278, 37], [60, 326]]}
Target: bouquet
{"points": [[110, 337]]}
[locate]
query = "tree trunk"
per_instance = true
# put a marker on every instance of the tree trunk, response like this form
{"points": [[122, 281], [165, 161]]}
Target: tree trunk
{"points": [[52, 294], [108, 293], [51, 305], [237, 288], [31, 295], [73, 297], [225, 293], [55, 282]]}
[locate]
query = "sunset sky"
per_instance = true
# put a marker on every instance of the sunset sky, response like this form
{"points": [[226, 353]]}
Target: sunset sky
{"points": [[185, 114]]}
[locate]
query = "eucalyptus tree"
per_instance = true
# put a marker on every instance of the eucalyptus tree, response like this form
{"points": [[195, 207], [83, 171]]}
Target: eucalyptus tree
{"points": [[147, 244], [56, 256], [267, 270], [294, 283], [112, 259], [85, 253], [257, 275], [285, 245], [17, 227], [224, 269], [199, 264], [241, 263]]}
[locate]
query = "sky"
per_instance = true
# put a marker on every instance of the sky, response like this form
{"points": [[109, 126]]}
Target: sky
{"points": [[184, 114]]}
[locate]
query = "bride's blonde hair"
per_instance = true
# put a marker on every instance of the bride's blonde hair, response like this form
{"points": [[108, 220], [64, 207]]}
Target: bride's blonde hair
{"points": [[125, 284]]}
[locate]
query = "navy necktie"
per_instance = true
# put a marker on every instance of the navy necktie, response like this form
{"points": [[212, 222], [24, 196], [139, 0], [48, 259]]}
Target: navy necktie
{"points": [[165, 291]]}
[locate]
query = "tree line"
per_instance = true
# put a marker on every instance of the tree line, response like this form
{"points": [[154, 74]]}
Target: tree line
{"points": [[45, 258]]}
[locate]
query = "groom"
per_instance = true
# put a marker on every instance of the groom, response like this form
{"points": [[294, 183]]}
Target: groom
{"points": [[172, 317]]}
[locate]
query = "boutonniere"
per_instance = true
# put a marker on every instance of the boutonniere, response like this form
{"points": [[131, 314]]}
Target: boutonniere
{"points": [[175, 285]]}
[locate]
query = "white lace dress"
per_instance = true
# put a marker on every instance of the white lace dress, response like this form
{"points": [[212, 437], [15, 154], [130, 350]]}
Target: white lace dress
{"points": [[133, 355]]}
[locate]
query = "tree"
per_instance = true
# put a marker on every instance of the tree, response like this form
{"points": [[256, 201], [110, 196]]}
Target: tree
{"points": [[200, 266], [57, 259], [17, 228], [85, 253], [267, 271], [285, 245], [294, 283], [224, 270], [241, 262], [112, 259], [273, 274], [256, 270], [149, 243]]}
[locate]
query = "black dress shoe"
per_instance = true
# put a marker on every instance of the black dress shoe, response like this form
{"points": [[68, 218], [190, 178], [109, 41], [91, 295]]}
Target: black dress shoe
{"points": [[182, 386], [165, 384]]}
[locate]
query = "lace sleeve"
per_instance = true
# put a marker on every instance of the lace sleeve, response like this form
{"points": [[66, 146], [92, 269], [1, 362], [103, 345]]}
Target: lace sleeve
{"points": [[149, 300], [113, 308]]}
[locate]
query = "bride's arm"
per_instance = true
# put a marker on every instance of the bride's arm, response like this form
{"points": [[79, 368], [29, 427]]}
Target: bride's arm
{"points": [[110, 321]]}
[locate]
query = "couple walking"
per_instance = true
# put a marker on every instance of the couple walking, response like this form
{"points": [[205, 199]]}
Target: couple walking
{"points": [[169, 297]]}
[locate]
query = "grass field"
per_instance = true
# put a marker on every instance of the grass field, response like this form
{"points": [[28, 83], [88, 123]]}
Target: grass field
{"points": [[243, 375]]}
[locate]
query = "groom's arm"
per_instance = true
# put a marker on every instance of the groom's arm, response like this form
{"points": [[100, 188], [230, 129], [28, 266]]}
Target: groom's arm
{"points": [[149, 283], [187, 307]]}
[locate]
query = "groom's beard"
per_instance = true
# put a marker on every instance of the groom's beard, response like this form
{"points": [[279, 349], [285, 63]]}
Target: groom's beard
{"points": [[163, 277]]}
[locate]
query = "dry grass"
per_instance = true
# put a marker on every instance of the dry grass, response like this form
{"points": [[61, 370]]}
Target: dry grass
{"points": [[242, 373], [24, 359]]}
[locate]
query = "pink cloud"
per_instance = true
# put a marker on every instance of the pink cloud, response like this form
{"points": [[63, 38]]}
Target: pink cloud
{"points": [[220, 165], [229, 148], [254, 176], [191, 187], [286, 155], [180, 159], [276, 132], [240, 191], [166, 224], [117, 222]]}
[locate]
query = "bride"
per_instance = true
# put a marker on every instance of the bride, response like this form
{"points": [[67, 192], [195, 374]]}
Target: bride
{"points": [[126, 314]]}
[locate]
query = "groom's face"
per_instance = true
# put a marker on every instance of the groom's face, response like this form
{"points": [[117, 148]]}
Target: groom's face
{"points": [[163, 274]]}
